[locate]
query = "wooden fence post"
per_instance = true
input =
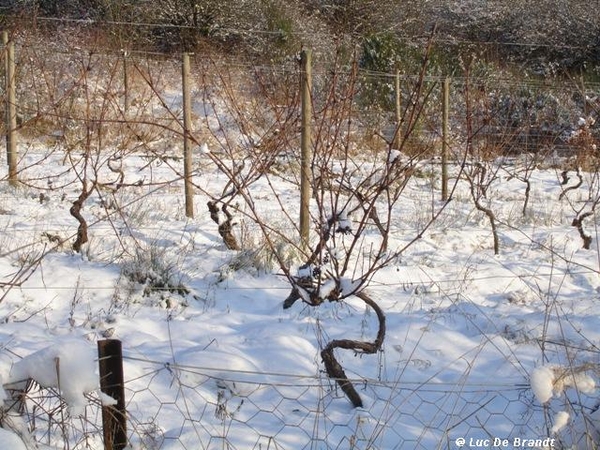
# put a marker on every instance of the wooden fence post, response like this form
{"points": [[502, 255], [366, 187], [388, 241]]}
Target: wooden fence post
{"points": [[398, 93], [11, 108], [125, 83], [445, 137], [187, 142], [114, 417], [305, 146]]}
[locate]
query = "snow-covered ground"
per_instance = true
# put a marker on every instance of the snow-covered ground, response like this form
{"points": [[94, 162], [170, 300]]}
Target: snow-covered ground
{"points": [[478, 347]]}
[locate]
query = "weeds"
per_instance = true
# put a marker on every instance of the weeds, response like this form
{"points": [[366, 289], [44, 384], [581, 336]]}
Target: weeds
{"points": [[152, 270]]}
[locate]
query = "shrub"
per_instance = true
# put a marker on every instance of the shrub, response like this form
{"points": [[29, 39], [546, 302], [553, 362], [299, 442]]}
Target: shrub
{"points": [[152, 269]]}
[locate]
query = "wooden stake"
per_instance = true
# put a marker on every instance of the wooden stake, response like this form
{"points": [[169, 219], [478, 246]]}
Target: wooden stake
{"points": [[445, 137], [11, 109], [305, 147], [187, 142], [398, 132], [114, 417], [125, 83]]}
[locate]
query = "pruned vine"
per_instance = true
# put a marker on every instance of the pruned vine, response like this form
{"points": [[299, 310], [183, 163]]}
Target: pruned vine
{"points": [[333, 367]]}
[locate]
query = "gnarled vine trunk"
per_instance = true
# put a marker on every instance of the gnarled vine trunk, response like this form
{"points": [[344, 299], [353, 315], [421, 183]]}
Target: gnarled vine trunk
{"points": [[578, 223], [333, 367], [75, 210], [225, 226]]}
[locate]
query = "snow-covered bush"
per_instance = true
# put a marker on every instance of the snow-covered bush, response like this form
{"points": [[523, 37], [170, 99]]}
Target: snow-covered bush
{"points": [[153, 271]]}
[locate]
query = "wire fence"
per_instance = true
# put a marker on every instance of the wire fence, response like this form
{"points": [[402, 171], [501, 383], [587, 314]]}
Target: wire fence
{"points": [[243, 410], [82, 100], [174, 406], [214, 409], [184, 407]]}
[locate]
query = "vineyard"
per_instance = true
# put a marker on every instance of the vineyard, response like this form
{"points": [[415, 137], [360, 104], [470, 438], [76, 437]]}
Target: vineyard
{"points": [[443, 292]]}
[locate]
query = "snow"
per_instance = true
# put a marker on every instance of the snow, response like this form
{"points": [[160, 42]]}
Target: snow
{"points": [[3, 395], [344, 223], [9, 440], [560, 421], [305, 271], [471, 336], [204, 149], [327, 288], [348, 286], [455, 314], [549, 381], [68, 365], [394, 155], [580, 381], [542, 383]]}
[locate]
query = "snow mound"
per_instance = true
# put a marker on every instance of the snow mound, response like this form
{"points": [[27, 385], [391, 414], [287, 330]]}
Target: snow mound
{"points": [[70, 366], [542, 383]]}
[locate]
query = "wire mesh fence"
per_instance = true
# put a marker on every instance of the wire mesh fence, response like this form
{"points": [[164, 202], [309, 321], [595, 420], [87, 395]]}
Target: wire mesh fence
{"points": [[172, 406], [182, 407]]}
